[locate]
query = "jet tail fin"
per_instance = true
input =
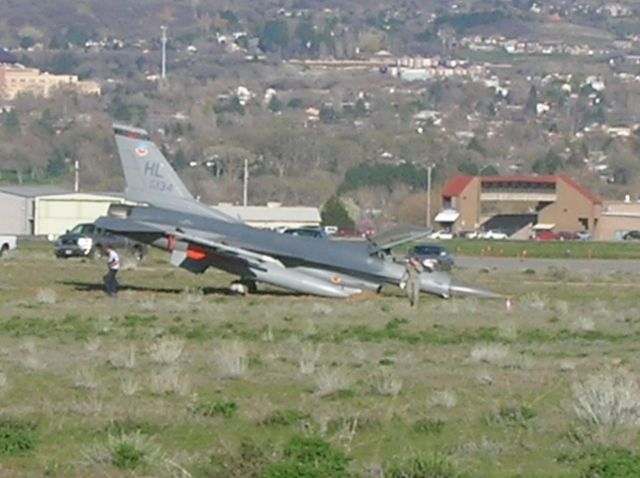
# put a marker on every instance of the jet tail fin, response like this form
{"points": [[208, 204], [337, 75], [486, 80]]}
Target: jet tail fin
{"points": [[146, 170], [149, 176]]}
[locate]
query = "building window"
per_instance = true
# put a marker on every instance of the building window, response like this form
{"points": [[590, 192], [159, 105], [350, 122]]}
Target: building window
{"points": [[585, 222]]}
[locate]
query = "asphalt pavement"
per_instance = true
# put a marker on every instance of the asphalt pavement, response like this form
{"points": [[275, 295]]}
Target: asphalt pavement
{"points": [[586, 266]]}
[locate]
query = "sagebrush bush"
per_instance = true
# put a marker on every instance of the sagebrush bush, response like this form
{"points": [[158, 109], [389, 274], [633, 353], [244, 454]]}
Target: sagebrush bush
{"points": [[610, 398]]}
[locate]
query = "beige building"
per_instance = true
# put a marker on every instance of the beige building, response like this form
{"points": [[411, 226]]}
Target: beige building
{"points": [[618, 218], [555, 203], [16, 79]]}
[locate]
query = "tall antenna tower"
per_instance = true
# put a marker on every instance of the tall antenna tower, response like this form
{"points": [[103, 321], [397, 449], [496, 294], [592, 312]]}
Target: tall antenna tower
{"points": [[164, 52]]}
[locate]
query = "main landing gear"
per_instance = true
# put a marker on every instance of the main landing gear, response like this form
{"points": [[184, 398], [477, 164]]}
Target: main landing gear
{"points": [[243, 287]]}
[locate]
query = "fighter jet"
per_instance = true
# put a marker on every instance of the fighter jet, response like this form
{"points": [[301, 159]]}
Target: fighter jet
{"points": [[199, 236]]}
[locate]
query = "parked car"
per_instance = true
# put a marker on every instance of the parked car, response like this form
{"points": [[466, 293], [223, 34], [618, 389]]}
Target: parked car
{"points": [[307, 232], [631, 236], [442, 235], [428, 253], [493, 234], [566, 236], [86, 240], [348, 232], [584, 235], [7, 242], [544, 235]]}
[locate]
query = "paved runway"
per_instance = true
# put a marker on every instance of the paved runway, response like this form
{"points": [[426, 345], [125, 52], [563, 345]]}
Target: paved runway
{"points": [[593, 266]]}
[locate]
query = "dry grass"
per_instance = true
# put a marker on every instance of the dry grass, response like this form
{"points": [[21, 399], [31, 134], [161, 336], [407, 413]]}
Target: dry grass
{"points": [[124, 357], [46, 296], [232, 360], [166, 351], [309, 356], [129, 386], [331, 380], [489, 353], [383, 368], [444, 399], [385, 382], [169, 381], [85, 378]]}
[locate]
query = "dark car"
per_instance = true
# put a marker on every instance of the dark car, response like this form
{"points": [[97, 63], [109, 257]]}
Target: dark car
{"points": [[631, 236], [427, 253], [307, 232], [86, 240]]}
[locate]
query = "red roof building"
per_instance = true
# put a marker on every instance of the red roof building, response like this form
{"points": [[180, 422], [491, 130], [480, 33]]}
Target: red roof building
{"points": [[558, 202]]}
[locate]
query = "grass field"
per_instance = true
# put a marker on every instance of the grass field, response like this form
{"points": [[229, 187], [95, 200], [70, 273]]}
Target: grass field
{"points": [[546, 249], [177, 378]]}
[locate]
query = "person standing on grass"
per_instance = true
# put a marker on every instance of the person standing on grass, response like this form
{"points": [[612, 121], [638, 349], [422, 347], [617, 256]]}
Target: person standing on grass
{"points": [[412, 277], [113, 264]]}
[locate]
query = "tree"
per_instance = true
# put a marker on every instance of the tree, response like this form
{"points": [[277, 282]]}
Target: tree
{"points": [[335, 214], [275, 104], [532, 101], [275, 36], [549, 164], [26, 42]]}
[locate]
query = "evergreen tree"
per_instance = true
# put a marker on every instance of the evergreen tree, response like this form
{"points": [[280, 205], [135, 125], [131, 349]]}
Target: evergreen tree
{"points": [[532, 101], [335, 214]]}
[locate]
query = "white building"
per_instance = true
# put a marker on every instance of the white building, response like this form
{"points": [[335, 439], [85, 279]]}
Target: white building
{"points": [[49, 210], [273, 216]]}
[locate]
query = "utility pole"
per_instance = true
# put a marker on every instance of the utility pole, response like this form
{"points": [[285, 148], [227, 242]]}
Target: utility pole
{"points": [[429, 168], [164, 52], [245, 185], [76, 176]]}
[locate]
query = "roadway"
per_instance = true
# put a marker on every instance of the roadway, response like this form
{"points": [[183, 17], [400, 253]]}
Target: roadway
{"points": [[586, 266]]}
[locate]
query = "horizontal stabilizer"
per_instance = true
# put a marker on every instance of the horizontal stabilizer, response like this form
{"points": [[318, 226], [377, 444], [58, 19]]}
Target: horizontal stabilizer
{"points": [[396, 237], [125, 226]]}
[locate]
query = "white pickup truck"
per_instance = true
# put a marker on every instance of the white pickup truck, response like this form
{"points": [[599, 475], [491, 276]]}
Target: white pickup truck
{"points": [[7, 243]]}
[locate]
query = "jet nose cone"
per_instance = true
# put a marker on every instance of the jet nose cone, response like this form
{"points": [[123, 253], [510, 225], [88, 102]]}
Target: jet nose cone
{"points": [[462, 289]]}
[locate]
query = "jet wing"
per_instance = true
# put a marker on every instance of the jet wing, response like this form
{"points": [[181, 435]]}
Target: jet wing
{"points": [[126, 226], [396, 237], [252, 259]]}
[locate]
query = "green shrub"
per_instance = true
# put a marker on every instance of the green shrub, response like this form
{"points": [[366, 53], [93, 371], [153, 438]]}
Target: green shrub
{"points": [[431, 466], [16, 436], [428, 426], [310, 457], [127, 426], [512, 415], [618, 463], [286, 417], [223, 408], [127, 457]]}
